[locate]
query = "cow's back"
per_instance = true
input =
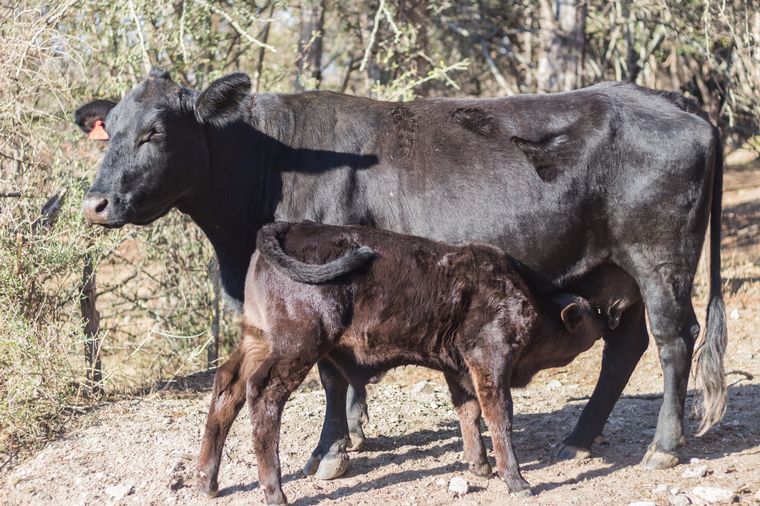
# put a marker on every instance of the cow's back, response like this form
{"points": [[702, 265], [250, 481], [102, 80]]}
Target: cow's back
{"points": [[455, 170]]}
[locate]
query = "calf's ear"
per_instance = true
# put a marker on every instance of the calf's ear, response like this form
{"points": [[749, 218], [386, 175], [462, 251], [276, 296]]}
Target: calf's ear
{"points": [[91, 118], [572, 315], [220, 103]]}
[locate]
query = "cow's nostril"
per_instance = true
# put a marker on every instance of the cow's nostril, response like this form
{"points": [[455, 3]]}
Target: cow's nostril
{"points": [[95, 209], [101, 206]]}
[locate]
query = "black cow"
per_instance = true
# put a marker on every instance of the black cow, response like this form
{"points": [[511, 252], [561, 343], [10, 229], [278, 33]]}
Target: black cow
{"points": [[594, 190]]}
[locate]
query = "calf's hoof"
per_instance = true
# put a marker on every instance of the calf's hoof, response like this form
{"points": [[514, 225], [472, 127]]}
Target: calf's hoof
{"points": [[206, 486], [522, 493], [565, 451], [275, 498], [519, 488], [482, 469], [657, 458], [357, 441]]}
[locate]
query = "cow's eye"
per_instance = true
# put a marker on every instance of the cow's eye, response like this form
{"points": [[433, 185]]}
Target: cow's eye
{"points": [[152, 134]]}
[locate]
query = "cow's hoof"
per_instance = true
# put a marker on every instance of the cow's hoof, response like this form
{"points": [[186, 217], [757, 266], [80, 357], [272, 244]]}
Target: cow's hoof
{"points": [[332, 466], [657, 458], [563, 451], [357, 441], [482, 469], [312, 465]]}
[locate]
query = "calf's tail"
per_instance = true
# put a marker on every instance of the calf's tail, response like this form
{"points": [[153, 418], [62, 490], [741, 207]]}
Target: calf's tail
{"points": [[268, 245], [711, 376]]}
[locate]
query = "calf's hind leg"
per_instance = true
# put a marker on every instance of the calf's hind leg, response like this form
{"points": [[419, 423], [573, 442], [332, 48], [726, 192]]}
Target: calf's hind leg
{"points": [[356, 414], [269, 387], [329, 459], [227, 398], [267, 394], [468, 409]]}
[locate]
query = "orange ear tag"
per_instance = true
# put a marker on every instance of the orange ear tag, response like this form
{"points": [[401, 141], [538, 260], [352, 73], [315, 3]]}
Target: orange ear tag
{"points": [[98, 131]]}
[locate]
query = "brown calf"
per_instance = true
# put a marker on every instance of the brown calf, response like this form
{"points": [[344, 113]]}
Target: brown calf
{"points": [[367, 300]]}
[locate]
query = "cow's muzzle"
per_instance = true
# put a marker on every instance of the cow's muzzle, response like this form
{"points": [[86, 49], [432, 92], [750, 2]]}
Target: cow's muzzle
{"points": [[95, 208]]}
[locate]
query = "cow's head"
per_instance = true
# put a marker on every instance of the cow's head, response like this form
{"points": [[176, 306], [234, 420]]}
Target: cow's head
{"points": [[157, 150]]}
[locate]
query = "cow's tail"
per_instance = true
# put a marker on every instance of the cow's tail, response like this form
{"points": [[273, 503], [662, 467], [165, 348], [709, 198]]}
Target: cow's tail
{"points": [[268, 245], [711, 376]]}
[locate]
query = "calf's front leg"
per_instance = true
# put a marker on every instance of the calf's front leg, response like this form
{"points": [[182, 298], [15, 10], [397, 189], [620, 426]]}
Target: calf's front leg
{"points": [[468, 410], [491, 371]]}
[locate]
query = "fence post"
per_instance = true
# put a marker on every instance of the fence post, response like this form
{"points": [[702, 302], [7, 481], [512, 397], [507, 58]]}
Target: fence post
{"points": [[213, 348], [91, 326], [87, 296]]}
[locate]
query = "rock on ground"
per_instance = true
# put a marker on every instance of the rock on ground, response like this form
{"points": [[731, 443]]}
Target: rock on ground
{"points": [[713, 495], [459, 485]]}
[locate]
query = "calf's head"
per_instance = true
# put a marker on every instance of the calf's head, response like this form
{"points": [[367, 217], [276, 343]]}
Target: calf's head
{"points": [[569, 326], [158, 150], [582, 325]]}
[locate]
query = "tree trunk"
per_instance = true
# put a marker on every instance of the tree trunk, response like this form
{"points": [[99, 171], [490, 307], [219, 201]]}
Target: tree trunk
{"points": [[563, 24], [309, 62]]}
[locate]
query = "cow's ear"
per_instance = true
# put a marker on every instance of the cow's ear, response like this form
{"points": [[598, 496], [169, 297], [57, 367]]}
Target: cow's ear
{"points": [[159, 73], [91, 118], [220, 103], [572, 316]]}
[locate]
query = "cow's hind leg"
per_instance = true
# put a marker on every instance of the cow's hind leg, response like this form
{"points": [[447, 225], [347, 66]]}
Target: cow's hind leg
{"points": [[468, 409], [329, 459], [623, 348], [667, 292]]}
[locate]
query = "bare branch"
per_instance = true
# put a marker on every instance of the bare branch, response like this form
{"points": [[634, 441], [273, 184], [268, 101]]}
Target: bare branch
{"points": [[236, 26], [372, 36]]}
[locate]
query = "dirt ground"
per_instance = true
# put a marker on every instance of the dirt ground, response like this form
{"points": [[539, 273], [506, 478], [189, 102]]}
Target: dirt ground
{"points": [[142, 451]]}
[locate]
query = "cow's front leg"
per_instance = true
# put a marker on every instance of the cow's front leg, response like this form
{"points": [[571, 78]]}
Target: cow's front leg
{"points": [[329, 459], [623, 349]]}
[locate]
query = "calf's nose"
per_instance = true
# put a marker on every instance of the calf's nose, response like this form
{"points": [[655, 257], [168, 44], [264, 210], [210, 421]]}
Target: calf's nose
{"points": [[95, 209]]}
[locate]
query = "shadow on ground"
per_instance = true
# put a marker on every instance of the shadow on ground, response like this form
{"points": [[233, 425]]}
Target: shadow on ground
{"points": [[627, 434]]}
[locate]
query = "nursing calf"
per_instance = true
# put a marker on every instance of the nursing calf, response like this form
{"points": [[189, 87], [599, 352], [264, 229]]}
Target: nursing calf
{"points": [[367, 300]]}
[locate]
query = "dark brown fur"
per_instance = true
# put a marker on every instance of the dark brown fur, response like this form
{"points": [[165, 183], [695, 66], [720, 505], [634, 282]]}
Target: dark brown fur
{"points": [[460, 309]]}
